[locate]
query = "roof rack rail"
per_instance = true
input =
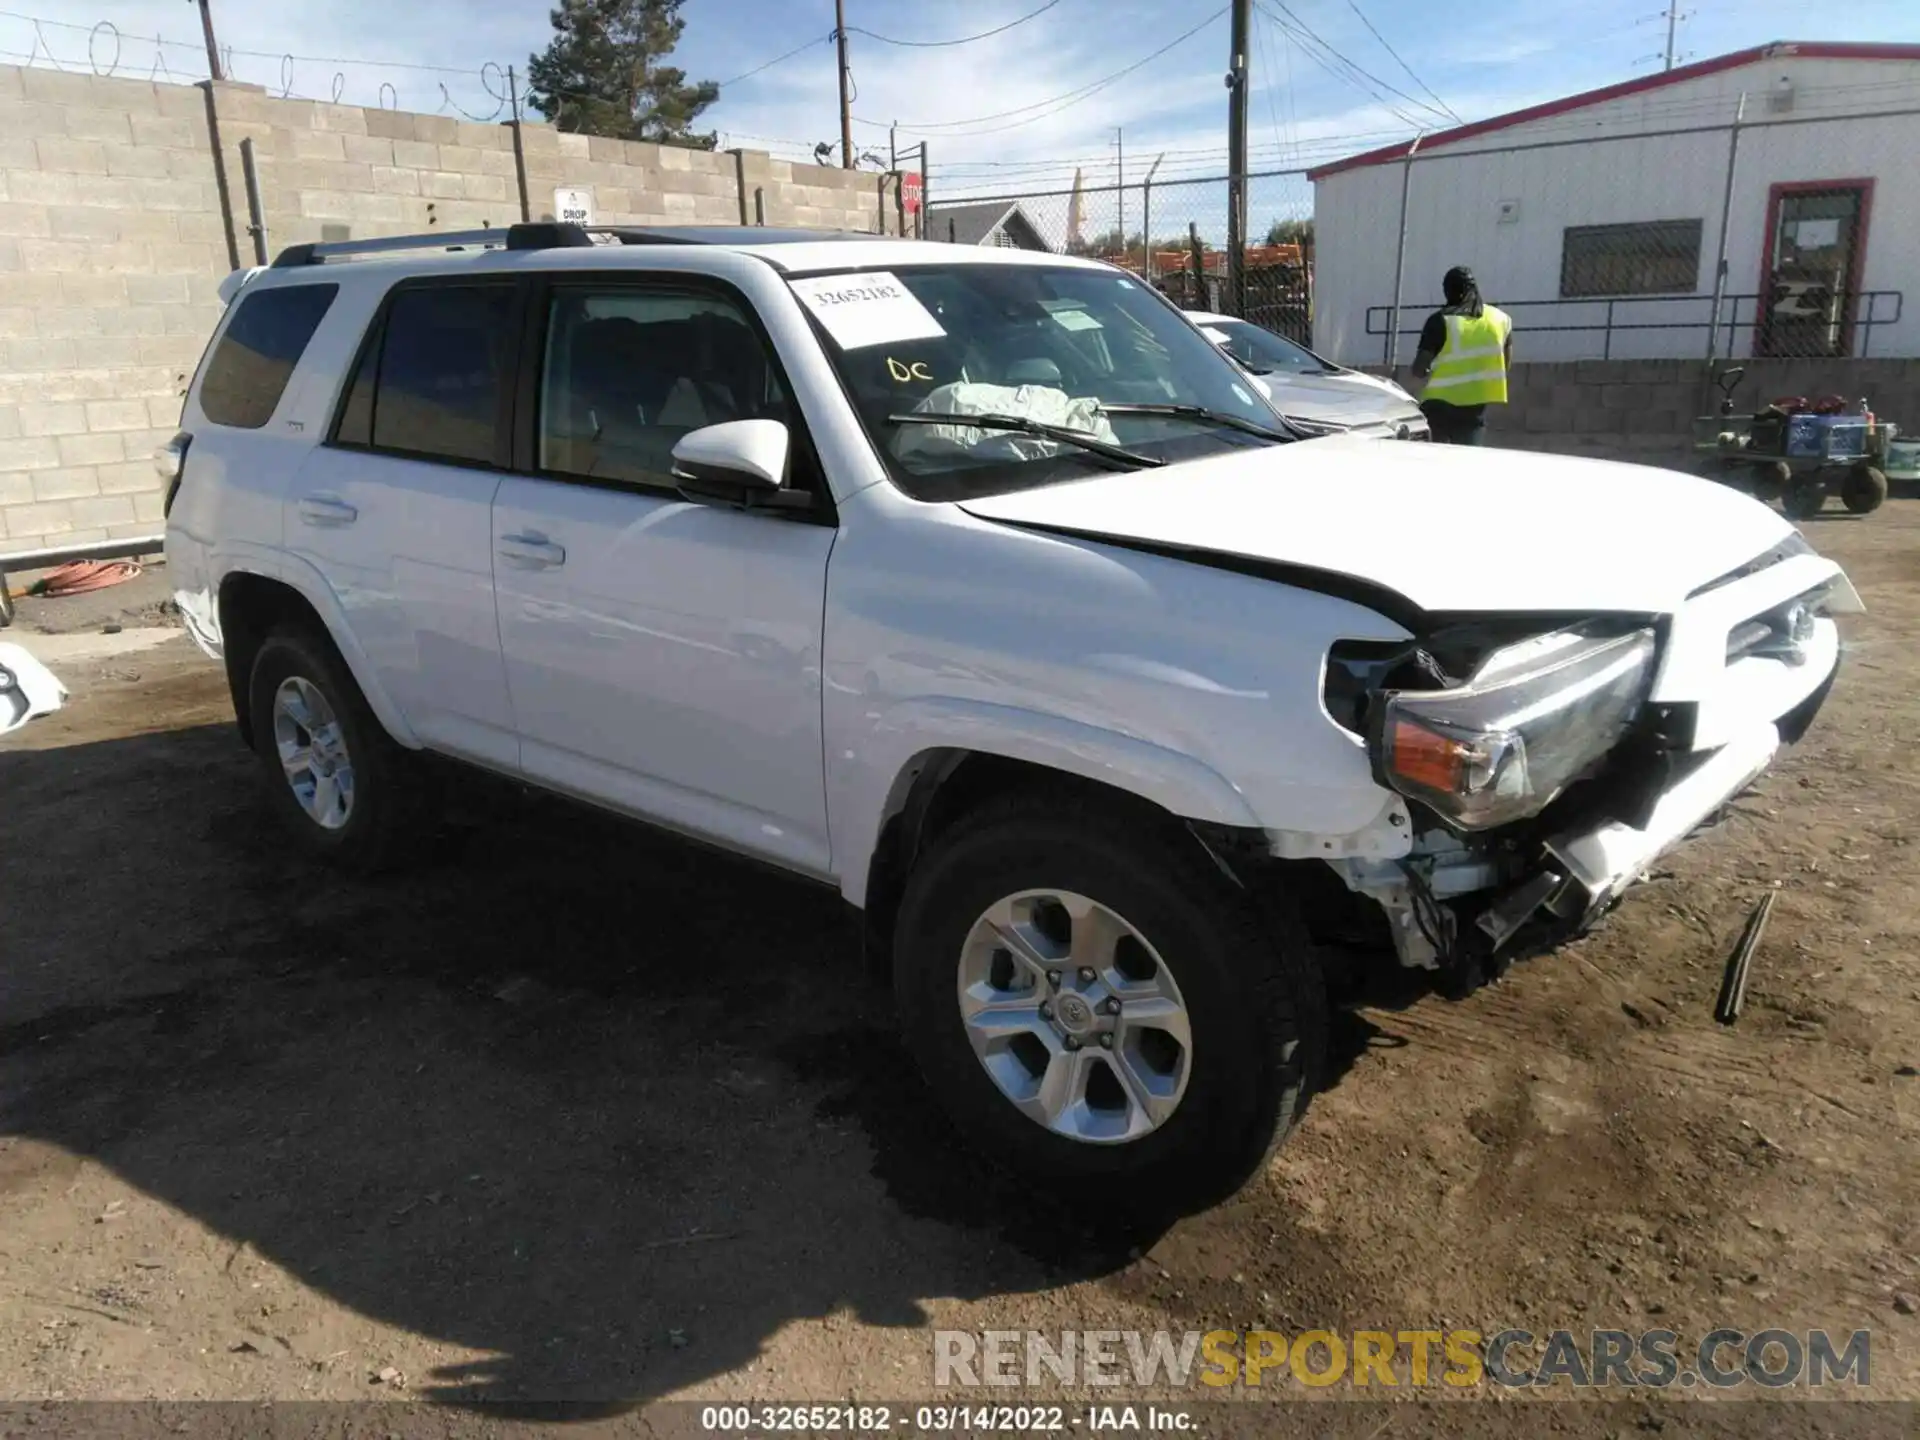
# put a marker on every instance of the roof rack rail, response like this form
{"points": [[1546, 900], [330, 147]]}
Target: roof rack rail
{"points": [[548, 235], [537, 236]]}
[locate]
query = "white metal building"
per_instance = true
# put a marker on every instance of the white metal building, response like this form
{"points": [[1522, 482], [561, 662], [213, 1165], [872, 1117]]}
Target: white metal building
{"points": [[1596, 218]]}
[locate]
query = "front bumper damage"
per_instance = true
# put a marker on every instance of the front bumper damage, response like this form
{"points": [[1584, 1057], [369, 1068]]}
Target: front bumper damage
{"points": [[1451, 906], [1746, 668], [1595, 866]]}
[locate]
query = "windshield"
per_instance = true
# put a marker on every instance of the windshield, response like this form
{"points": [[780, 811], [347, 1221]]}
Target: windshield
{"points": [[1264, 352], [1041, 346]]}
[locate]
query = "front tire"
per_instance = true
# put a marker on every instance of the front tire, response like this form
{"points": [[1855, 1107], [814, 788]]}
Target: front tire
{"points": [[1864, 490], [334, 776], [1100, 1010]]}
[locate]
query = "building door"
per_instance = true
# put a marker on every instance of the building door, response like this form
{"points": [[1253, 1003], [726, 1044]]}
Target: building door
{"points": [[1815, 247]]}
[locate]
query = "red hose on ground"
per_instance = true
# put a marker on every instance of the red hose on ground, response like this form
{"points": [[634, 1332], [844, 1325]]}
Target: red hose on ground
{"points": [[77, 577]]}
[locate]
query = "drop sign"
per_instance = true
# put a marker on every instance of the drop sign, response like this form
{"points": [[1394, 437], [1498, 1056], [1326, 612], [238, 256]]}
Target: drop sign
{"points": [[573, 207]]}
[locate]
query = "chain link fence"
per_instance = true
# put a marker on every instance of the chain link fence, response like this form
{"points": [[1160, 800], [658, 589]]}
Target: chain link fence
{"points": [[1172, 233]]}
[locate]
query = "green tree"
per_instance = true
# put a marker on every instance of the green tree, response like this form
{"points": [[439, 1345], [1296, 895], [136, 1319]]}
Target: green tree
{"points": [[602, 73], [1290, 232]]}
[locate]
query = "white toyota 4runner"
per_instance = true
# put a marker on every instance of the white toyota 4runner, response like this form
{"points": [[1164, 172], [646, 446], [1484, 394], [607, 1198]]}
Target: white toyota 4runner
{"points": [[979, 586]]}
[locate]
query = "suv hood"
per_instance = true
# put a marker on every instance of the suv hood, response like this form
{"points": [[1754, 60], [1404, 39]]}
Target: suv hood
{"points": [[1448, 528]]}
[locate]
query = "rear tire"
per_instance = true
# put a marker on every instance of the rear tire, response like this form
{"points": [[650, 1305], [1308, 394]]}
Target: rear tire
{"points": [[1805, 497], [1771, 481], [341, 786], [1864, 490], [1159, 1127]]}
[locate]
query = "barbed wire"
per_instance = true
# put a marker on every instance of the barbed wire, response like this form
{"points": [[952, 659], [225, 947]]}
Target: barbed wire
{"points": [[93, 37]]}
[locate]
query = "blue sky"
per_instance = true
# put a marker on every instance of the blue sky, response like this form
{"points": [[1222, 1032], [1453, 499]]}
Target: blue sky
{"points": [[1484, 61]]}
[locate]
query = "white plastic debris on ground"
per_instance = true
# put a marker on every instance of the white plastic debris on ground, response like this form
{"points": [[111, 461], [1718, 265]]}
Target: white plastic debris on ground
{"points": [[27, 689]]}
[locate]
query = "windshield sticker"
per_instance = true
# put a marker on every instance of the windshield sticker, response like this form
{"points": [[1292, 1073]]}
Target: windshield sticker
{"points": [[867, 309], [1076, 320], [903, 371]]}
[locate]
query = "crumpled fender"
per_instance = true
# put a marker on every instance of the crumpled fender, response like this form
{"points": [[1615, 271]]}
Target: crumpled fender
{"points": [[27, 689]]}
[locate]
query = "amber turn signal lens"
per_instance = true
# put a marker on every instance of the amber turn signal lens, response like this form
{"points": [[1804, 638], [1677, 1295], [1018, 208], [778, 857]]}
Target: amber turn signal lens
{"points": [[1423, 758]]}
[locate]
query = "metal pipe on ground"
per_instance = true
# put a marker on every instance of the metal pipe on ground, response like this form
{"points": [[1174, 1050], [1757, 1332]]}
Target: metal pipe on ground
{"points": [[1733, 985]]}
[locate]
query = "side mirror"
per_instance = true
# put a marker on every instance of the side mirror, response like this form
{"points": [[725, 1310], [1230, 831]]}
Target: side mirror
{"points": [[740, 462]]}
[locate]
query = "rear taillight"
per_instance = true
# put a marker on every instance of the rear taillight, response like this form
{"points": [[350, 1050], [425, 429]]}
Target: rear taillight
{"points": [[170, 460]]}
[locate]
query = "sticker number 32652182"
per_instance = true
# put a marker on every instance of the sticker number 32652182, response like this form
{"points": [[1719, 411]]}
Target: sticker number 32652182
{"points": [[867, 308]]}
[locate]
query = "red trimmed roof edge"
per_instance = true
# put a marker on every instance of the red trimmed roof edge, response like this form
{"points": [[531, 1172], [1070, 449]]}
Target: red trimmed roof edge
{"points": [[1805, 49]]}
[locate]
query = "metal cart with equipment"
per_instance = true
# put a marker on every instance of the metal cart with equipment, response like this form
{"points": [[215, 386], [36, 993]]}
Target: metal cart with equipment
{"points": [[1798, 452]]}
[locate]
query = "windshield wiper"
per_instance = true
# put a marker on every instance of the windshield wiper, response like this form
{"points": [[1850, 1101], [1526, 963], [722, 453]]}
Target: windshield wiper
{"points": [[1200, 413], [1077, 438]]}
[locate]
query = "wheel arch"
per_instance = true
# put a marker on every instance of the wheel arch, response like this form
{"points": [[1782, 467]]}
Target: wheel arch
{"points": [[251, 604], [940, 784]]}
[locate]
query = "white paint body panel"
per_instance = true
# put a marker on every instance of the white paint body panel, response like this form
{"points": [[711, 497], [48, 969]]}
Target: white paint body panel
{"points": [[1451, 528], [406, 547], [669, 664]]}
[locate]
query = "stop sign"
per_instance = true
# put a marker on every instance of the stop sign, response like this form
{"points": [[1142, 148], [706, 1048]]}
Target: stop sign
{"points": [[910, 192]]}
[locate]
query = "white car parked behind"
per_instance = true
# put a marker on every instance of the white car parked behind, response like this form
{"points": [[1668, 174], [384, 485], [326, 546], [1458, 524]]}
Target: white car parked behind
{"points": [[1313, 391]]}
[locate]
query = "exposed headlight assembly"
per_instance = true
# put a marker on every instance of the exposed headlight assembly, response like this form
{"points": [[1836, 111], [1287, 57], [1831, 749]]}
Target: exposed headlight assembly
{"points": [[1530, 721]]}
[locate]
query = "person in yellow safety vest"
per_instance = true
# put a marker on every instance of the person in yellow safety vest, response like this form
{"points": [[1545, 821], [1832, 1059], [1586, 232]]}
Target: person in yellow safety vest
{"points": [[1463, 356]]}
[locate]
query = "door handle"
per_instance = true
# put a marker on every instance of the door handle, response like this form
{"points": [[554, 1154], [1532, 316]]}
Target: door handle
{"points": [[325, 510], [531, 552]]}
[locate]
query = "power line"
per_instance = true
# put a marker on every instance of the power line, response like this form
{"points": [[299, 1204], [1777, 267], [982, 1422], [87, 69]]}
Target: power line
{"points": [[1354, 6], [1060, 102], [778, 59], [962, 40], [1267, 65], [1355, 74]]}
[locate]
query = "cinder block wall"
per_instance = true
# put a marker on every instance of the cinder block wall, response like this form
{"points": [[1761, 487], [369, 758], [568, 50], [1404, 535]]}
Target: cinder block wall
{"points": [[110, 248], [1651, 404], [114, 238]]}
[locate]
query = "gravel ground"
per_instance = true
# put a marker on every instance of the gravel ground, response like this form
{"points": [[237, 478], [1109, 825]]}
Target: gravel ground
{"points": [[571, 1112]]}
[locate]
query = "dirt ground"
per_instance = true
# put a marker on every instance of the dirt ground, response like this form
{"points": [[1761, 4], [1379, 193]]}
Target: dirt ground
{"points": [[571, 1112]]}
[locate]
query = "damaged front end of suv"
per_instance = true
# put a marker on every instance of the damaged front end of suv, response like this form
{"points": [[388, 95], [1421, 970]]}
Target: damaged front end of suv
{"points": [[1548, 763]]}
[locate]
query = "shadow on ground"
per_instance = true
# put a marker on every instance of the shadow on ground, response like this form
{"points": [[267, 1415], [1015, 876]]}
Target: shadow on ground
{"points": [[609, 1108]]}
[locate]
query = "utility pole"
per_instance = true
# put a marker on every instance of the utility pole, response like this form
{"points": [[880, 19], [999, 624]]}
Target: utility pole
{"points": [[846, 110], [1237, 159], [213, 46], [1120, 184], [1673, 19]]}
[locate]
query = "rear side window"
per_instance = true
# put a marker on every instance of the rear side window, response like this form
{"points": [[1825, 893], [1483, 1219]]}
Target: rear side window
{"points": [[430, 383], [250, 367]]}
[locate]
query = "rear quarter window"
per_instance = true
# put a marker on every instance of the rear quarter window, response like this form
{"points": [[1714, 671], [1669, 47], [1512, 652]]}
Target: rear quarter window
{"points": [[256, 354]]}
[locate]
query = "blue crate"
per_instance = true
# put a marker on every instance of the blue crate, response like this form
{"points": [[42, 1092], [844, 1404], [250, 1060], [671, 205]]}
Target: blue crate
{"points": [[1805, 435], [1829, 437]]}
